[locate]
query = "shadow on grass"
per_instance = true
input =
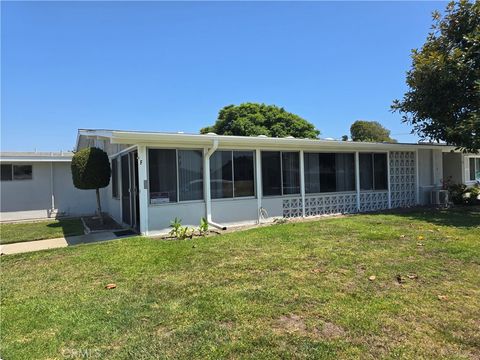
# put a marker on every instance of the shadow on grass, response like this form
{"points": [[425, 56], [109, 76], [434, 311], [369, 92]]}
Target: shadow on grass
{"points": [[69, 227], [461, 216]]}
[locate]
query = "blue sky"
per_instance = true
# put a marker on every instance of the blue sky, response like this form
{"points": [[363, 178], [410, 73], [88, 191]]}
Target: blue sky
{"points": [[165, 66]]}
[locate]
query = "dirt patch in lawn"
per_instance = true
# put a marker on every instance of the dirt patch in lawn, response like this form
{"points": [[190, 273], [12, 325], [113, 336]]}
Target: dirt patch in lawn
{"points": [[295, 324]]}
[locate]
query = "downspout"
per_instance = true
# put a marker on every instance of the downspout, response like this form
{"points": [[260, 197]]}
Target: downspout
{"points": [[206, 185], [52, 194]]}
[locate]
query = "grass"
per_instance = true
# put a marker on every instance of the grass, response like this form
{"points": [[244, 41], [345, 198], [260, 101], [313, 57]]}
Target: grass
{"points": [[39, 230], [296, 290]]}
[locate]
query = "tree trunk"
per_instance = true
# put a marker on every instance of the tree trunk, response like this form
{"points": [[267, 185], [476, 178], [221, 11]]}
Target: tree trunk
{"points": [[99, 207]]}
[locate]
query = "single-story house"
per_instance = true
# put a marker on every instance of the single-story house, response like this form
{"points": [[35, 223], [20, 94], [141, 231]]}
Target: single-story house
{"points": [[236, 180], [37, 185], [229, 180]]}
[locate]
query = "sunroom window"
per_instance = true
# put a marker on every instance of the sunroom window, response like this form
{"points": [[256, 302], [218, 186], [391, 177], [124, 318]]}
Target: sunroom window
{"points": [[329, 172], [280, 173], [232, 174], [373, 171], [175, 175]]}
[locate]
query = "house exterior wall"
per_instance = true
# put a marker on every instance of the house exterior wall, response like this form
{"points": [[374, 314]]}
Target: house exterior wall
{"points": [[413, 171], [31, 199]]}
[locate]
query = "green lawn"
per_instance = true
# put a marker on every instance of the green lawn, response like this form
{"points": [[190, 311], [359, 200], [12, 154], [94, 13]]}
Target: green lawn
{"points": [[296, 290], [38, 230]]}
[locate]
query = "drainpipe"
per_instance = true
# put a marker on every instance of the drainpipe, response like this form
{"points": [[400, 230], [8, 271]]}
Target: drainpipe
{"points": [[52, 194], [206, 185]]}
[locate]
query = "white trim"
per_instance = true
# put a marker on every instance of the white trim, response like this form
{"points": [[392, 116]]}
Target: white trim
{"points": [[142, 188], [302, 181], [357, 178]]}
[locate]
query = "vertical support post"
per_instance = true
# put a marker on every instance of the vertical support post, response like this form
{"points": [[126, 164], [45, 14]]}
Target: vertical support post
{"points": [[258, 181], [357, 178], [143, 188], [388, 181], [417, 186], [302, 181]]}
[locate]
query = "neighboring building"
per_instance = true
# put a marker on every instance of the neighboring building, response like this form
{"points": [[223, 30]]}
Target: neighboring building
{"points": [[37, 185], [233, 179]]}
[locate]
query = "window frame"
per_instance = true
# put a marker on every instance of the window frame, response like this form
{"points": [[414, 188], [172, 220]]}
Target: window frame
{"points": [[372, 154], [12, 171], [282, 194], [475, 160], [233, 197], [177, 200]]}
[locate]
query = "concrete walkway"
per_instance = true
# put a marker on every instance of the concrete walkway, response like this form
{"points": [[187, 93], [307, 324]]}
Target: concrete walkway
{"points": [[37, 245]]}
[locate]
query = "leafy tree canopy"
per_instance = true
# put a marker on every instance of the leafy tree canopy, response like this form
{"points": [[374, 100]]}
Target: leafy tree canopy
{"points": [[90, 169], [251, 119], [443, 100], [370, 131]]}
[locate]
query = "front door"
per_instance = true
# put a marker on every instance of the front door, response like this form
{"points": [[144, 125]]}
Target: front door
{"points": [[130, 201]]}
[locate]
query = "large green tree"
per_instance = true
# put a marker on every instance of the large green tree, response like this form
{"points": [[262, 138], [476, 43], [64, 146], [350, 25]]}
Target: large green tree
{"points": [[370, 131], [443, 99], [91, 171], [250, 119]]}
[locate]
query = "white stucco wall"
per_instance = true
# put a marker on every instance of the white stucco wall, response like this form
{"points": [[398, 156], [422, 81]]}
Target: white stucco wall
{"points": [[160, 216], [31, 199], [232, 211]]}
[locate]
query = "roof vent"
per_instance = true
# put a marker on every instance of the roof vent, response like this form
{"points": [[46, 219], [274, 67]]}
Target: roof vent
{"points": [[180, 132], [262, 136], [289, 137], [329, 138], [211, 133]]}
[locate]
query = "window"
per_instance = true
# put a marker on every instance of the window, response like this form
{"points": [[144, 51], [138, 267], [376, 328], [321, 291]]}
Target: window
{"points": [[232, 174], [474, 164], [243, 184], [373, 172], [16, 172], [175, 175], [290, 173], [271, 173], [280, 173], [163, 176], [329, 172], [115, 178], [190, 175], [6, 172]]}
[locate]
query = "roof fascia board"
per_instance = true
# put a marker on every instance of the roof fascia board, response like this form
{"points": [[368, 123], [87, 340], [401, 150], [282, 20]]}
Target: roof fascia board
{"points": [[164, 140], [17, 159]]}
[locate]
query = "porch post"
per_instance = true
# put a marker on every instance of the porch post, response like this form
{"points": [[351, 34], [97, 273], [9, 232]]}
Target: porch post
{"points": [[388, 181], [357, 178], [143, 188], [258, 181], [302, 181]]}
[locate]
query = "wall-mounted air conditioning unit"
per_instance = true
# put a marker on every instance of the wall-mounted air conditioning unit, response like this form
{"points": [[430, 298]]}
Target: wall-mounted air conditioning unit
{"points": [[439, 197]]}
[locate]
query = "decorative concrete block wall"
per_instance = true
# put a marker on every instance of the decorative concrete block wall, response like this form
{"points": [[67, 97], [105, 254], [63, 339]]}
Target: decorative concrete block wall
{"points": [[403, 182]]}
